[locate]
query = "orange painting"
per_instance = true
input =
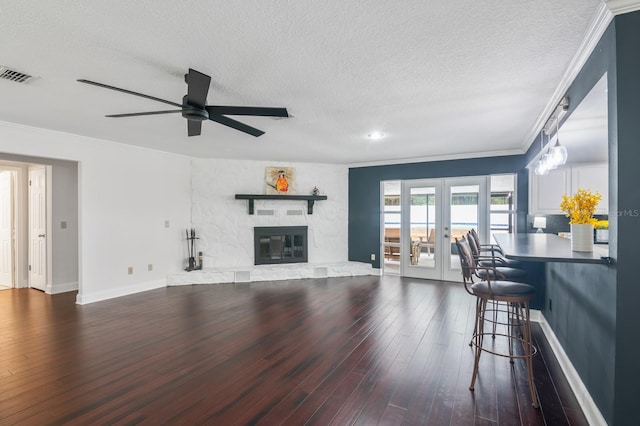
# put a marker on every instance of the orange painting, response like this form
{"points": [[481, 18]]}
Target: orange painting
{"points": [[280, 180]]}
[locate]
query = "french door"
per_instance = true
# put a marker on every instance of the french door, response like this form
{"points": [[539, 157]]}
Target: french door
{"points": [[434, 212]]}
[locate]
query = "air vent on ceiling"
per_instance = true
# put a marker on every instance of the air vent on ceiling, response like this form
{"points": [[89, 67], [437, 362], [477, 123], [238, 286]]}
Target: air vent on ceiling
{"points": [[9, 74]]}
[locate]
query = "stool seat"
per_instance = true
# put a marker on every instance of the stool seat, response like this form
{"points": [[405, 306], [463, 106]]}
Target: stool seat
{"points": [[503, 288]]}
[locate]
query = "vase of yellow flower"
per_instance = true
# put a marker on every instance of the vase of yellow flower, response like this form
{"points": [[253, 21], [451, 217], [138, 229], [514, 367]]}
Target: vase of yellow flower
{"points": [[580, 208]]}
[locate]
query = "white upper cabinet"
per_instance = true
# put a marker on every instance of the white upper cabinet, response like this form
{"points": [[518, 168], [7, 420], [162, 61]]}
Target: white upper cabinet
{"points": [[546, 191], [594, 178]]}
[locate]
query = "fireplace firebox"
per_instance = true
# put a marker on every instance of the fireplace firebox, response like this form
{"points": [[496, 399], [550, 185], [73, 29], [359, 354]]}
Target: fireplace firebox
{"points": [[280, 244]]}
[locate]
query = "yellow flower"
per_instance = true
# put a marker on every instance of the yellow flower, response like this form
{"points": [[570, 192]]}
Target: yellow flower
{"points": [[602, 224], [581, 206]]}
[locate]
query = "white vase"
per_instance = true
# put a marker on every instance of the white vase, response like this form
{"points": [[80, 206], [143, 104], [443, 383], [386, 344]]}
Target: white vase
{"points": [[581, 237]]}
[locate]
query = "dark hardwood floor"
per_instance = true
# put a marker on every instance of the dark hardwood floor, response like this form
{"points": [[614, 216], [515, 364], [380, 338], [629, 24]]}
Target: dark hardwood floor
{"points": [[363, 350]]}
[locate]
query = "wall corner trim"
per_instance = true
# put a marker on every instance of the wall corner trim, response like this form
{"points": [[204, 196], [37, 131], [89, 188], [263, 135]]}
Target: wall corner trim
{"points": [[618, 7], [84, 298], [587, 404], [62, 287]]}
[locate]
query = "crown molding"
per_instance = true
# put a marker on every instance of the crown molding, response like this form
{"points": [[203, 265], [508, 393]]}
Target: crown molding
{"points": [[465, 156], [618, 7], [598, 25]]}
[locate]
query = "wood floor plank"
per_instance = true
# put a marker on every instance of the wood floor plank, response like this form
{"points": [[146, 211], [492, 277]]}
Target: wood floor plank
{"points": [[365, 350]]}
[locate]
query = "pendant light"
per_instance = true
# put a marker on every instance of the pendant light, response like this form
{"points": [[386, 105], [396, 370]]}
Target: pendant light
{"points": [[540, 167], [558, 152], [548, 158]]}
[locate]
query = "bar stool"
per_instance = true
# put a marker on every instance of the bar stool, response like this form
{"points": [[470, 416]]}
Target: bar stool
{"points": [[515, 295], [493, 250], [498, 271], [500, 268]]}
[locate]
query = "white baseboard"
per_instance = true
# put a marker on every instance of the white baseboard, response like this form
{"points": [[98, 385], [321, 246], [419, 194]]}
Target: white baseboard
{"points": [[587, 404], [84, 298], [536, 315], [61, 288]]}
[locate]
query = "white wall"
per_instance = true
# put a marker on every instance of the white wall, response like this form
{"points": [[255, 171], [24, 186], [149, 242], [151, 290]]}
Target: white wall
{"points": [[226, 228], [65, 241], [125, 196]]}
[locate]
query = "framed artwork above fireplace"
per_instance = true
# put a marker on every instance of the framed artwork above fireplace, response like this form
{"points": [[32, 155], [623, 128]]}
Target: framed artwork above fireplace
{"points": [[280, 180]]}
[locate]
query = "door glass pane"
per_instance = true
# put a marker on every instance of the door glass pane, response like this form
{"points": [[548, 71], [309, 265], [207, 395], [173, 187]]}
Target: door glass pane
{"points": [[502, 209], [392, 215], [422, 227], [465, 214]]}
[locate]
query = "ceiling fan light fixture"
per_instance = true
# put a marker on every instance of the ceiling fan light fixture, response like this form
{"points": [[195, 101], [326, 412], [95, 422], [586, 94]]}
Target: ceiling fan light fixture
{"points": [[194, 106]]}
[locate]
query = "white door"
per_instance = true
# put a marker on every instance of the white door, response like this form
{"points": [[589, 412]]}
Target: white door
{"points": [[434, 213], [465, 204], [38, 227], [6, 229], [420, 248]]}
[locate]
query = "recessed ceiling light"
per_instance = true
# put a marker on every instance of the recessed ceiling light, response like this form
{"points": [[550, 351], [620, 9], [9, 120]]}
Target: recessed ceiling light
{"points": [[375, 135]]}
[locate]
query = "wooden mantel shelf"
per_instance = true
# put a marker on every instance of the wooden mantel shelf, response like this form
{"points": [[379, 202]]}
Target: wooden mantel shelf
{"points": [[310, 199]]}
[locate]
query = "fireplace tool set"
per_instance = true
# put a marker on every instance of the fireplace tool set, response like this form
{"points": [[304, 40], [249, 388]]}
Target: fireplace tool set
{"points": [[191, 248]]}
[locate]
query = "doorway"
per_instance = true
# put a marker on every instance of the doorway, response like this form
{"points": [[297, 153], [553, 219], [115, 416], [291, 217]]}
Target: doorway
{"points": [[422, 219], [25, 221], [7, 229]]}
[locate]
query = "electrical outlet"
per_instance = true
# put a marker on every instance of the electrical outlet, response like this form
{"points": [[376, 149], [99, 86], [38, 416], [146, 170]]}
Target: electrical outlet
{"points": [[150, 267], [167, 224], [130, 270], [373, 256]]}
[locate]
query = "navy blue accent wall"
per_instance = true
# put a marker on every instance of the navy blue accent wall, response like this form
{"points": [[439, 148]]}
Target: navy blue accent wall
{"points": [[584, 296], [364, 194], [627, 238], [583, 318], [598, 322]]}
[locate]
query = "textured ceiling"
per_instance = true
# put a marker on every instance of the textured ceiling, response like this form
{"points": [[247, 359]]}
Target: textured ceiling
{"points": [[438, 78]]}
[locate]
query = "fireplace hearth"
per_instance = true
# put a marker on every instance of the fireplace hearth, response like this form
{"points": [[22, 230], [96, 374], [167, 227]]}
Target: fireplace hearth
{"points": [[280, 244]]}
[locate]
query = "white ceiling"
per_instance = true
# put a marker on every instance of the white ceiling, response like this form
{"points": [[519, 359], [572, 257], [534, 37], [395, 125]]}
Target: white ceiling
{"points": [[442, 78]]}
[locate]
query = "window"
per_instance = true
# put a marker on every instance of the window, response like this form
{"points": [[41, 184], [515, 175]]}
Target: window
{"points": [[502, 210]]}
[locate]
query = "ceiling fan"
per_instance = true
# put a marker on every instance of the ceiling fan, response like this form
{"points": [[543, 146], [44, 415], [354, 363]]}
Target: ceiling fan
{"points": [[195, 110]]}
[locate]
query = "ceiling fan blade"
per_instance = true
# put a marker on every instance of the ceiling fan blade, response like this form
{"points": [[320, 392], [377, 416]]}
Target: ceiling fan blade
{"points": [[135, 114], [194, 127], [236, 125], [197, 88], [106, 86], [244, 110]]}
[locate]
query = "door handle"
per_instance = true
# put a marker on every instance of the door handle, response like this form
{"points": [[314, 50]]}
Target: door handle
{"points": [[41, 235]]}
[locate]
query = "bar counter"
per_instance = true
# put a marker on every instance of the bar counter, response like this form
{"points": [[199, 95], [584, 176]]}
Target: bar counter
{"points": [[548, 248]]}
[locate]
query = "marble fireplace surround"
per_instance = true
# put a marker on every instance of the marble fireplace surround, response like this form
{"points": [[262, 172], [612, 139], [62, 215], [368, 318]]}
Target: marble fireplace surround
{"points": [[226, 229]]}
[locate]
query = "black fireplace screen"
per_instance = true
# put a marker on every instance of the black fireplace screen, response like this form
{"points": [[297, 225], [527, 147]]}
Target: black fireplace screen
{"points": [[280, 244]]}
